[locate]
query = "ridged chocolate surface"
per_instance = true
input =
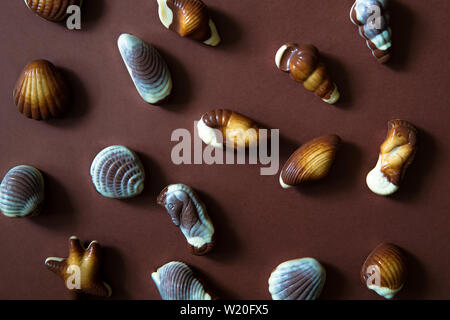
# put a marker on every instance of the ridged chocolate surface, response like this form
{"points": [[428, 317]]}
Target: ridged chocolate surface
{"points": [[21, 192], [372, 19], [147, 68], [53, 10], [41, 92], [117, 172], [217, 118], [176, 281]]}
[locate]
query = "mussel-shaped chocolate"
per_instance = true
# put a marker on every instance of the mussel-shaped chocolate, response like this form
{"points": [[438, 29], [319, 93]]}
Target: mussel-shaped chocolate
{"points": [[312, 161], [304, 64], [189, 18], [147, 68], [372, 19], [52, 10], [189, 214], [176, 281], [396, 154], [225, 126], [118, 173], [300, 279], [384, 270], [41, 91], [22, 192]]}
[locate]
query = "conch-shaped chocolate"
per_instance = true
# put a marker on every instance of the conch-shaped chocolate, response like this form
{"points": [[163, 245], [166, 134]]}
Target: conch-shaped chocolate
{"points": [[80, 271], [52, 10], [118, 173], [312, 161], [176, 281], [384, 270], [372, 19], [304, 64], [22, 192], [300, 279], [189, 18], [396, 154], [147, 68], [225, 126], [189, 214], [41, 91]]}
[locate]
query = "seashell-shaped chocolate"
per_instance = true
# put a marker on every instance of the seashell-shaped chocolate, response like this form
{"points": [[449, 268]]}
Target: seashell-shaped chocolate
{"points": [[189, 18], [41, 91], [396, 154], [223, 125], [22, 192], [189, 214], [52, 10], [384, 270], [372, 19], [176, 281], [299, 279], [304, 64], [117, 173], [312, 161], [147, 68]]}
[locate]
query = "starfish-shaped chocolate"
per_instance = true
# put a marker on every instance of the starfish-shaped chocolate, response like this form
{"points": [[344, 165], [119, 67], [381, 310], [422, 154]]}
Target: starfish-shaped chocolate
{"points": [[80, 270]]}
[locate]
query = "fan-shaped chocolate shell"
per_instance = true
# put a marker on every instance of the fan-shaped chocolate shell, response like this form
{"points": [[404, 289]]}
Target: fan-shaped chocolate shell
{"points": [[384, 270], [22, 192], [147, 68], [189, 18], [117, 173], [312, 161], [300, 279], [189, 214], [41, 91], [52, 10], [176, 281]]}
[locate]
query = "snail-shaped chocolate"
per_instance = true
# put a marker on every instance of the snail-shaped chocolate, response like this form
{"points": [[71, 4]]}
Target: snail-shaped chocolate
{"points": [[372, 19], [52, 10], [225, 126], [189, 18], [304, 64], [189, 214]]}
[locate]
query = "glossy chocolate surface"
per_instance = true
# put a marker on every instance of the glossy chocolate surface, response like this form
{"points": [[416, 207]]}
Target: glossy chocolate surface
{"points": [[338, 221]]}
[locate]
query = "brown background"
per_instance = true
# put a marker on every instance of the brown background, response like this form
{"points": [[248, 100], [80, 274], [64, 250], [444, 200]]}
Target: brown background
{"points": [[259, 225]]}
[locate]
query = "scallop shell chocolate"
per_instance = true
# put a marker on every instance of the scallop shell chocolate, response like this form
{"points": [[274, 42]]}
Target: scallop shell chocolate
{"points": [[117, 173], [396, 154], [189, 214], [147, 68], [372, 19], [304, 64], [300, 279], [384, 270], [22, 192], [52, 10], [223, 125], [41, 92], [189, 18], [176, 281], [312, 161]]}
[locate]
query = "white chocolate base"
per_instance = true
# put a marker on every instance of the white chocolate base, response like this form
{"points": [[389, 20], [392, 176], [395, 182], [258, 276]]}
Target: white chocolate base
{"points": [[214, 40], [279, 55], [384, 292], [284, 185], [208, 135], [335, 95], [378, 182]]}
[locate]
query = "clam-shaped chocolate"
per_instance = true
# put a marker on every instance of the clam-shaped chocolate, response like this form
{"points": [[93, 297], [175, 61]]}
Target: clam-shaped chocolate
{"points": [[41, 91], [372, 19], [147, 68], [117, 173], [52, 10], [300, 279], [384, 270], [176, 281], [189, 214], [312, 161], [189, 18], [22, 192]]}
